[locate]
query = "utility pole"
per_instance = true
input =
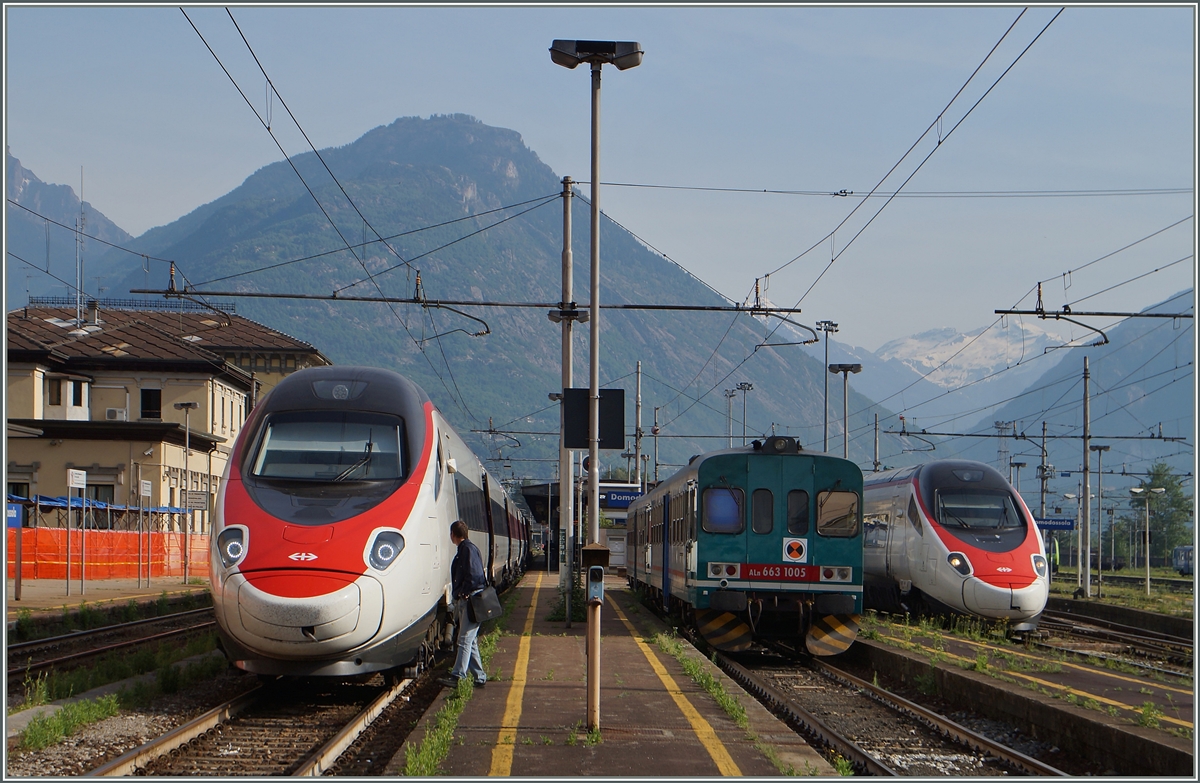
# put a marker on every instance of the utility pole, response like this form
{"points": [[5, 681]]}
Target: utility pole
{"points": [[828, 327], [566, 315], [654, 432], [875, 459], [744, 387], [1099, 514], [1085, 563], [637, 432], [729, 395]]}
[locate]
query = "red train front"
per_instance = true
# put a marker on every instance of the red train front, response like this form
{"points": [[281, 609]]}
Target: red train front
{"points": [[330, 546], [952, 534]]}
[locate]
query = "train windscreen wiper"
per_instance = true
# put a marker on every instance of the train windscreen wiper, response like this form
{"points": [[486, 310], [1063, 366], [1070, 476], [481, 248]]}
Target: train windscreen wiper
{"points": [[362, 461]]}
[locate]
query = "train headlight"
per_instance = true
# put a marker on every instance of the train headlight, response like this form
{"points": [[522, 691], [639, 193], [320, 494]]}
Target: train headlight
{"points": [[231, 546], [1039, 565], [385, 548], [959, 562]]}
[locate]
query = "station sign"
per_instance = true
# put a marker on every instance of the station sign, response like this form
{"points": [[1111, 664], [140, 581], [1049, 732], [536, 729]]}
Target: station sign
{"points": [[196, 500], [1055, 523], [619, 498]]}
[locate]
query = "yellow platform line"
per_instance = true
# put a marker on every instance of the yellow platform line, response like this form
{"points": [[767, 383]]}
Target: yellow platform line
{"points": [[704, 732], [502, 754]]}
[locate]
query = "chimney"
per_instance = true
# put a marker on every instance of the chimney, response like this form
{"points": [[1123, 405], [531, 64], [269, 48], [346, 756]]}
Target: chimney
{"points": [[93, 313]]}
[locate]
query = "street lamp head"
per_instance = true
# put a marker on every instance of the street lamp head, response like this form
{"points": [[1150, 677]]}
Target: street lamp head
{"points": [[1099, 448], [744, 386], [836, 368], [179, 406], [1157, 490], [1070, 495], [827, 326], [623, 54]]}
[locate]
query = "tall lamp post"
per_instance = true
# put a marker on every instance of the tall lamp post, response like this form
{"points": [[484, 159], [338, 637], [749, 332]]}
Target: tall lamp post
{"points": [[828, 327], [744, 387], [187, 408], [845, 370], [624, 55], [1141, 492]]}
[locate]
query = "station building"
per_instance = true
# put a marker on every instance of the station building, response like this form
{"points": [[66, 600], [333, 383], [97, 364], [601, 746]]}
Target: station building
{"points": [[102, 393]]}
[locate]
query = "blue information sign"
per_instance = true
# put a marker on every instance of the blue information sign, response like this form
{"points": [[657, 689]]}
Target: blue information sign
{"points": [[1055, 523], [619, 498], [14, 515]]}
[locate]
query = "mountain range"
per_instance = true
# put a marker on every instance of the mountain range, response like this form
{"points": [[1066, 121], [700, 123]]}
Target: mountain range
{"points": [[447, 208]]}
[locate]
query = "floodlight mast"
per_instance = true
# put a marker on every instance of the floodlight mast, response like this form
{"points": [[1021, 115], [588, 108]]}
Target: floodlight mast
{"points": [[624, 55]]}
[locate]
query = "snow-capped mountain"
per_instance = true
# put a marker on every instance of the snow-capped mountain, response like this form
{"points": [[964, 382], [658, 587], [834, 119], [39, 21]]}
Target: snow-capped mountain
{"points": [[952, 359]]}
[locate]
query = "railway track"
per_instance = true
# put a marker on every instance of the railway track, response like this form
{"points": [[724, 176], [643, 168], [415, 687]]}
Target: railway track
{"points": [[878, 732], [1137, 646], [298, 731], [71, 650]]}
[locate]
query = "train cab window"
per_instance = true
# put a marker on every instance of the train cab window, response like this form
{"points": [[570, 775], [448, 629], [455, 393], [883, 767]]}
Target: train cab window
{"points": [[723, 510], [762, 511], [797, 512], [914, 516], [331, 446], [837, 514]]}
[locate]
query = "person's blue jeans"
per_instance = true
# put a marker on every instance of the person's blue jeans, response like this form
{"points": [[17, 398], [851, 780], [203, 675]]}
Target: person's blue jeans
{"points": [[466, 659]]}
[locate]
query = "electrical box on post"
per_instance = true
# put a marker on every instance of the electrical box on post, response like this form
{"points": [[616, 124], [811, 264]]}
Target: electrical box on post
{"points": [[595, 585]]}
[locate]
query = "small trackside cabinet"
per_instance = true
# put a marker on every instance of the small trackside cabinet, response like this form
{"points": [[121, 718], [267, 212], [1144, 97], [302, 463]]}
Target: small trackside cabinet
{"points": [[595, 585]]}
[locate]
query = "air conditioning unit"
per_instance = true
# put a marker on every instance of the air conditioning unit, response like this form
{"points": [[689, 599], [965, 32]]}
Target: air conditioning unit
{"points": [[115, 414]]}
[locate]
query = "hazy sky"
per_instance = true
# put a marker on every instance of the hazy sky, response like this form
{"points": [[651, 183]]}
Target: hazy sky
{"points": [[776, 99]]}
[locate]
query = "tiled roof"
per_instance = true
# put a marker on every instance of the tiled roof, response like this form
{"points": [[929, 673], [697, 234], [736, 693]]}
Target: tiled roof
{"points": [[144, 334]]}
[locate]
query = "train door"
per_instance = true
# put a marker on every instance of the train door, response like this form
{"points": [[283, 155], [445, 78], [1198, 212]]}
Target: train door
{"points": [[666, 553], [897, 542], [765, 542], [490, 523], [691, 548]]}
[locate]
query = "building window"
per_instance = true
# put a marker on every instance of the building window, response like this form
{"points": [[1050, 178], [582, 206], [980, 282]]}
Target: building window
{"points": [[54, 389], [77, 393], [151, 403]]}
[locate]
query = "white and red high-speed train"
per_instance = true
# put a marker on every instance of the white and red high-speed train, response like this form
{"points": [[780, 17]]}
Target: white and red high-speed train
{"points": [[952, 535], [330, 550]]}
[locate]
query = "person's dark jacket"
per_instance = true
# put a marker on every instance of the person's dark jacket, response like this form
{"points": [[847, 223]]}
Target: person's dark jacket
{"points": [[466, 571]]}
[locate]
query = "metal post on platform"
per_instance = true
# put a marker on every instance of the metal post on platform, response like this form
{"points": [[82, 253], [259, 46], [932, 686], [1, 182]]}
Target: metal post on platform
{"points": [[187, 408]]}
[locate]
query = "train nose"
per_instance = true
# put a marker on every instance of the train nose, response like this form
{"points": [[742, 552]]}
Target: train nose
{"points": [[345, 613], [1004, 601]]}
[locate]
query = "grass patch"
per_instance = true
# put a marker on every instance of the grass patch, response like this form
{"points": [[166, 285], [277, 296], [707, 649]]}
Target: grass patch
{"points": [[704, 678], [116, 666], [45, 731], [424, 760]]}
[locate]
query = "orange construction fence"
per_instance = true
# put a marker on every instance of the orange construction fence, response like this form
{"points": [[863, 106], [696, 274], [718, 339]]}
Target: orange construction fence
{"points": [[105, 554]]}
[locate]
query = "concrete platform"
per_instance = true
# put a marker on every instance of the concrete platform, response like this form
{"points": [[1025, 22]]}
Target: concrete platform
{"points": [[655, 720], [49, 596]]}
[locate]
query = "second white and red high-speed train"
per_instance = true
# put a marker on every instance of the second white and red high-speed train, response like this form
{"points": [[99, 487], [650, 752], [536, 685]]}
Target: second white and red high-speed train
{"points": [[330, 550], [952, 535]]}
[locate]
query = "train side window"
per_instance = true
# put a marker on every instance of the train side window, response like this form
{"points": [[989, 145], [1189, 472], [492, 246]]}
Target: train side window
{"points": [[875, 530], [762, 511], [723, 510], [914, 516], [837, 514], [797, 512], [437, 473]]}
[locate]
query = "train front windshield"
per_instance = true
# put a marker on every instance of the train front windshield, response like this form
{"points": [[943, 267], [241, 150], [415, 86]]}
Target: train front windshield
{"points": [[990, 512], [331, 446]]}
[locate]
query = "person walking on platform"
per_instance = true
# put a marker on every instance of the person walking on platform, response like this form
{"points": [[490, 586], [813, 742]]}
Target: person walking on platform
{"points": [[467, 577]]}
